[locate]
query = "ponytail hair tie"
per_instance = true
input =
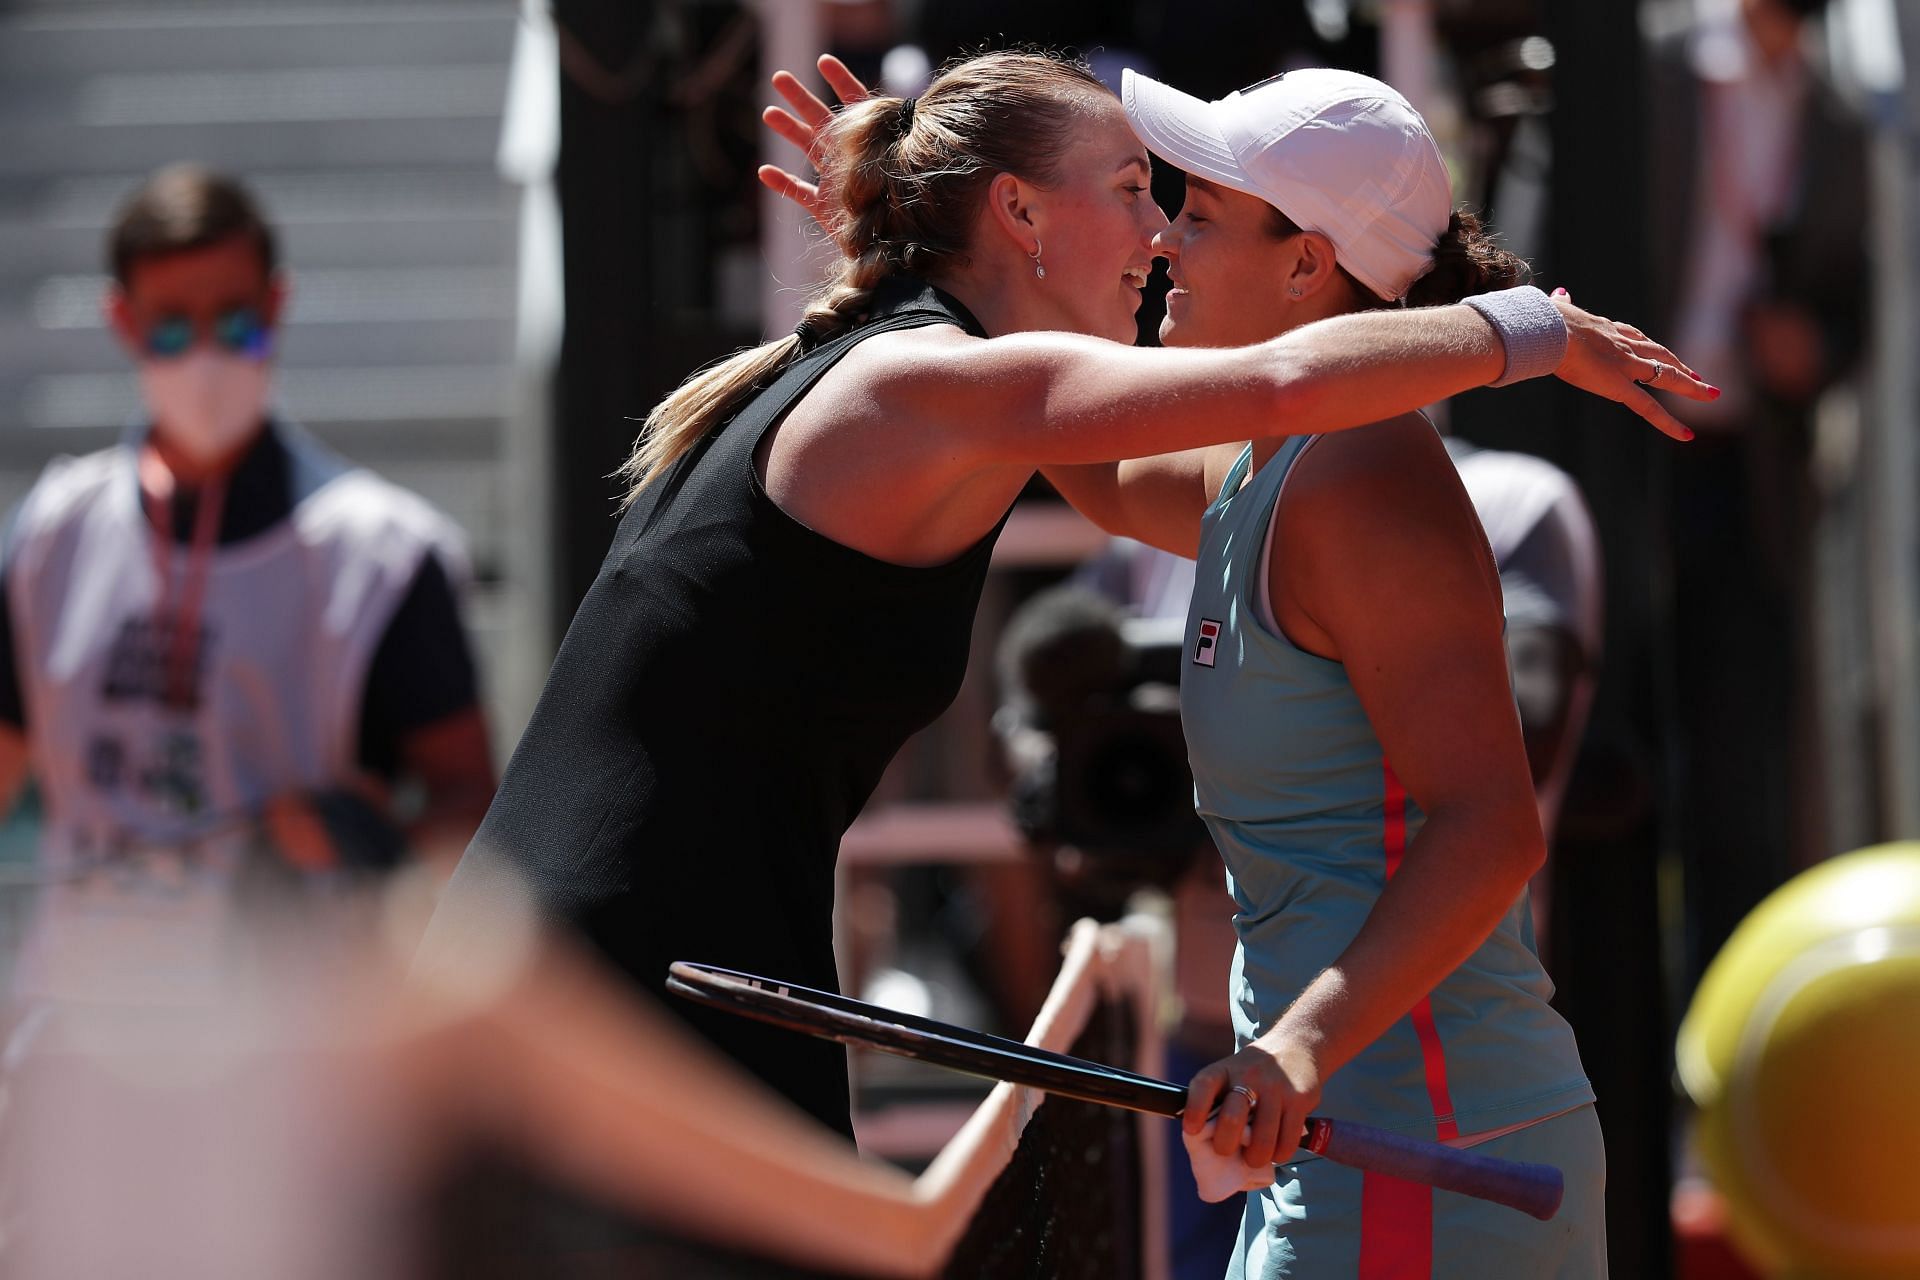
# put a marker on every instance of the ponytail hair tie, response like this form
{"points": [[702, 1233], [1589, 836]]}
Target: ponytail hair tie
{"points": [[906, 115], [809, 332]]}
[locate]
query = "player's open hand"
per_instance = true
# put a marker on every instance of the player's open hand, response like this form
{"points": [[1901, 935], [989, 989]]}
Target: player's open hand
{"points": [[1619, 363], [1263, 1092], [801, 126]]}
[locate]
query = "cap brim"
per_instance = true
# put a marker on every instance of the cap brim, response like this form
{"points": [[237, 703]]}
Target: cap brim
{"points": [[1180, 129]]}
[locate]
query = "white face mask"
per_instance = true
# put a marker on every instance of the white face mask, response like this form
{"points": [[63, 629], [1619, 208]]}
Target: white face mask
{"points": [[206, 402]]}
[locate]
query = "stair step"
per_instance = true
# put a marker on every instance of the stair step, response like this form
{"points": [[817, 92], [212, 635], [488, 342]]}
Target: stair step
{"points": [[31, 254], [336, 295], [427, 217], [300, 197], [69, 41], [320, 396], [37, 148], [27, 351]]}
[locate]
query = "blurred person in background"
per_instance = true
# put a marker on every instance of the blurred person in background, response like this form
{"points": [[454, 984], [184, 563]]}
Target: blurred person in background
{"points": [[1547, 551], [1758, 199], [218, 636]]}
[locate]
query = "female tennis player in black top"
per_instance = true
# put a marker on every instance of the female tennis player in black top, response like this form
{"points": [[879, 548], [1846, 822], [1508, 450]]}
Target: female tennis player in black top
{"points": [[791, 591]]}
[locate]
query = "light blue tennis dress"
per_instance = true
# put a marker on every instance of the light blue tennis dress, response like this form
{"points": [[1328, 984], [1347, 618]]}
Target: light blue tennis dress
{"points": [[1306, 811]]}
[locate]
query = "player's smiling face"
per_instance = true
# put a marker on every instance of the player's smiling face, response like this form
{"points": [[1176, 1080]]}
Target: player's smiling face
{"points": [[1100, 220], [1227, 266]]}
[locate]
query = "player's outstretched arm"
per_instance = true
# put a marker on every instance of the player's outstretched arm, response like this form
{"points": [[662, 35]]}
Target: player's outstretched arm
{"points": [[1046, 399]]}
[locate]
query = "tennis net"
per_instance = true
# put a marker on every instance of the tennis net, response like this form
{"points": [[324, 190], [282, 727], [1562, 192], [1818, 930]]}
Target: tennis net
{"points": [[1072, 1190], [1073, 1199]]}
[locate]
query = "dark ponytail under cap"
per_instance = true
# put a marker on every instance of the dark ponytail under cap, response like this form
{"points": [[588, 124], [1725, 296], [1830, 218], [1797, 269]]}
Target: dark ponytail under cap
{"points": [[1466, 261]]}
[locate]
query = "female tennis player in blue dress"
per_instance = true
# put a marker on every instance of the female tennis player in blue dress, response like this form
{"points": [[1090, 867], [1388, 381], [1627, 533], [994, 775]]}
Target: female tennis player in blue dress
{"points": [[791, 591], [1355, 747]]}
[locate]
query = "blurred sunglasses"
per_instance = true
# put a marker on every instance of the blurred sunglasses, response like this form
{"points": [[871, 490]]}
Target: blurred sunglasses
{"points": [[241, 330]]}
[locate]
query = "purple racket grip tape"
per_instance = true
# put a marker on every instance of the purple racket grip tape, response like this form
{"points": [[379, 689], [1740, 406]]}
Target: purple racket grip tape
{"points": [[1533, 1189]]}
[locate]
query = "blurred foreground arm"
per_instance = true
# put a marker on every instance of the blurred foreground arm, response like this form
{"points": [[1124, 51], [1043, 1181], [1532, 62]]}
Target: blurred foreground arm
{"points": [[611, 1095]]}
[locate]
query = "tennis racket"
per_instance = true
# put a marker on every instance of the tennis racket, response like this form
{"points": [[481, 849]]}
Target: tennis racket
{"points": [[1533, 1189]]}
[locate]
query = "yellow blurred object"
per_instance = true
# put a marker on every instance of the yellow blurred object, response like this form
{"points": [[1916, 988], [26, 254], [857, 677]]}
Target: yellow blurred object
{"points": [[1802, 1050]]}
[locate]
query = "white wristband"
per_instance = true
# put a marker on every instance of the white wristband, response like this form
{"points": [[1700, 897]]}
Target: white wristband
{"points": [[1530, 328]]}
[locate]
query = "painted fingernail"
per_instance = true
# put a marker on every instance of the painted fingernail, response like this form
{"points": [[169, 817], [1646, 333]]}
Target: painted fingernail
{"points": [[1715, 390], [1562, 293], [1689, 433]]}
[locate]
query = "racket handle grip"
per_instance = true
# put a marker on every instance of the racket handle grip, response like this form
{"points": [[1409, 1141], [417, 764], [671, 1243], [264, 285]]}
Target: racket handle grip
{"points": [[1533, 1189]]}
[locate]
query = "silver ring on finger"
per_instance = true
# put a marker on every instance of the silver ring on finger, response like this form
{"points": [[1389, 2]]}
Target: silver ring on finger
{"points": [[1253, 1099], [1659, 372]]}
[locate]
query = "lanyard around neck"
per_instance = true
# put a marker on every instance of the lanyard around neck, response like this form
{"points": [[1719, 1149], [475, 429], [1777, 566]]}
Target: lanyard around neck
{"points": [[181, 617]]}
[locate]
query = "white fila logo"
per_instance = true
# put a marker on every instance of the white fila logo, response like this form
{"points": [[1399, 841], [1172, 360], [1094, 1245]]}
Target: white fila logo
{"points": [[1203, 652]]}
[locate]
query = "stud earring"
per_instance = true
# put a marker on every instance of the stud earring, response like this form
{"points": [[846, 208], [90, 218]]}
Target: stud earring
{"points": [[1039, 272], [1293, 293]]}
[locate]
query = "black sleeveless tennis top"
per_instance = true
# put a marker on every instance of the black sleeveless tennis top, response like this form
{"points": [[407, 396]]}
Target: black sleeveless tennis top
{"points": [[721, 708]]}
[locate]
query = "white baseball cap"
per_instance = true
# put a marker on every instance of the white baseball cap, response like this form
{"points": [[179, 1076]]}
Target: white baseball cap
{"points": [[1335, 151]]}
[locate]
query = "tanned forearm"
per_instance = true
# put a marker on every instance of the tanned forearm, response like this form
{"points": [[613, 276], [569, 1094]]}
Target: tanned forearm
{"points": [[1053, 399]]}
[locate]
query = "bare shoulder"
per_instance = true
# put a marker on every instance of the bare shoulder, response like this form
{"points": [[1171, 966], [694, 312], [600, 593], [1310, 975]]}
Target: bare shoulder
{"points": [[879, 421], [944, 361], [1380, 497], [911, 374], [883, 380], [1399, 453], [1368, 475], [904, 359]]}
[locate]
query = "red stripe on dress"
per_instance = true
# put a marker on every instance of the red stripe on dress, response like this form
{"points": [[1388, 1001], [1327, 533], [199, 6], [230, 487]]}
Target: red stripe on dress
{"points": [[1433, 1055], [1395, 801], [1396, 1229]]}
